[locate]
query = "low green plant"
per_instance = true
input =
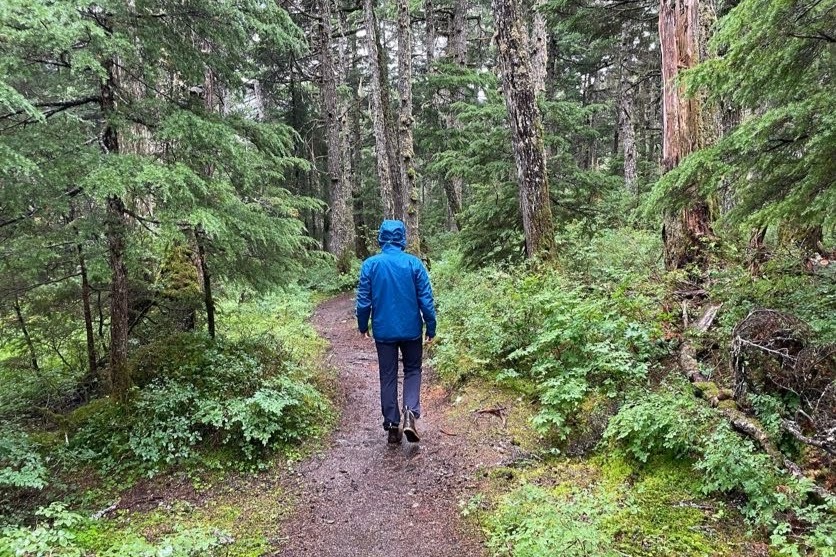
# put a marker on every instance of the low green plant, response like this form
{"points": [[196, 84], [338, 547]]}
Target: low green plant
{"points": [[532, 522], [332, 277], [658, 423], [61, 532], [21, 465], [673, 422], [544, 334], [239, 394]]}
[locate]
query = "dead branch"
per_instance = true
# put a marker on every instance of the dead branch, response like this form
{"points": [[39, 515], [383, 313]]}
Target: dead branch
{"points": [[750, 427]]}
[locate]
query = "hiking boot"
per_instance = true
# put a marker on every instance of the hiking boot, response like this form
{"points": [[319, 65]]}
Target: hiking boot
{"points": [[409, 430], [394, 436]]}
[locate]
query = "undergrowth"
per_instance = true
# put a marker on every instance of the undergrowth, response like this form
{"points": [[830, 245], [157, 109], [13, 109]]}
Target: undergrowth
{"points": [[590, 340], [225, 404]]}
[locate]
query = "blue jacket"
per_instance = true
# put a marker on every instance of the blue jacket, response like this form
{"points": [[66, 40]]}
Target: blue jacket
{"points": [[394, 290]]}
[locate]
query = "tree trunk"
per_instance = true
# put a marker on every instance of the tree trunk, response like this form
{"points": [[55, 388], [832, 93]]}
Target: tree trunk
{"points": [[805, 237], [429, 16], [92, 359], [208, 299], [458, 33], [392, 137], [412, 200], [757, 250], [378, 113], [526, 129], [119, 381], [341, 231], [457, 51], [626, 128], [539, 48], [683, 129], [115, 227], [33, 356]]}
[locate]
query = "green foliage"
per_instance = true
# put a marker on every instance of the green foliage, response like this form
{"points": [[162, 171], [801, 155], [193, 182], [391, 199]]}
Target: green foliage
{"points": [[672, 422], [64, 533], [324, 276], [809, 296], [244, 395], [543, 333], [21, 465], [658, 423], [479, 152], [775, 65], [580, 509], [532, 522]]}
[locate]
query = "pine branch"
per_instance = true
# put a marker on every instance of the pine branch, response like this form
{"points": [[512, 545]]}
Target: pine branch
{"points": [[56, 106]]}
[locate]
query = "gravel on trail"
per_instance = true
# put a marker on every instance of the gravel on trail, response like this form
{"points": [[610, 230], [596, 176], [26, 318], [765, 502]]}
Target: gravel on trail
{"points": [[364, 498]]}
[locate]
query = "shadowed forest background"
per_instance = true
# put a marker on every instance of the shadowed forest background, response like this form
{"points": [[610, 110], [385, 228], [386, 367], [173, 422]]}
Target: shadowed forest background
{"points": [[627, 210]]}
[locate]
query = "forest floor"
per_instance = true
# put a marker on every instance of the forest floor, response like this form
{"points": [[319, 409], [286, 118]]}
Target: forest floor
{"points": [[362, 497], [350, 494]]}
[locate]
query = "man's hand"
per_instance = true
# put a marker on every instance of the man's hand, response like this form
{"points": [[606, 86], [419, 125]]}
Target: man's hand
{"points": [[430, 340], [365, 335]]}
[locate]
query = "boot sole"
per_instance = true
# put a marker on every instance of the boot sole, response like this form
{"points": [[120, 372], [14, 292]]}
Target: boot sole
{"points": [[411, 436]]}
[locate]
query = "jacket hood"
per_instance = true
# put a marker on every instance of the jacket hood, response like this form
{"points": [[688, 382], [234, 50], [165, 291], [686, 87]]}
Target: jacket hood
{"points": [[392, 232]]}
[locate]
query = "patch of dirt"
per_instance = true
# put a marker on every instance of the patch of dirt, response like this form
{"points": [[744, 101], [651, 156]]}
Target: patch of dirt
{"points": [[364, 498], [149, 494]]}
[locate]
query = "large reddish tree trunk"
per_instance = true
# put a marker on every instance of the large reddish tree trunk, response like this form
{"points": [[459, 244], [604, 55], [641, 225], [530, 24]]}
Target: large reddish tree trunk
{"points": [[683, 127], [526, 128]]}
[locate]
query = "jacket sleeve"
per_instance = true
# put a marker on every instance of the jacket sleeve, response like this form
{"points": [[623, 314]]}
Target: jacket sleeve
{"points": [[364, 299], [425, 298]]}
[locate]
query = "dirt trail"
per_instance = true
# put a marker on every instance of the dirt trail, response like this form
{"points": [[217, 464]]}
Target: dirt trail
{"points": [[363, 498]]}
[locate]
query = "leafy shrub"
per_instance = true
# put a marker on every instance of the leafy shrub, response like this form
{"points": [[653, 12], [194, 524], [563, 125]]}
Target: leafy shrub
{"points": [[243, 395], [324, 276], [63, 533], [658, 423], [21, 465], [542, 333], [673, 422]]}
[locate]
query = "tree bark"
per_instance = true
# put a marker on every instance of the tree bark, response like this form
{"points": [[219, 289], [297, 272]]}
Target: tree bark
{"points": [[458, 33], [378, 113], [92, 359], [757, 250], [457, 51], [119, 381], [526, 129], [539, 47], [429, 17], [626, 128], [33, 356], [412, 199], [208, 298], [115, 227], [683, 129], [341, 231]]}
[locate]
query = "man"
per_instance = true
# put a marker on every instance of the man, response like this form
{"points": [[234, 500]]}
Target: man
{"points": [[395, 291]]}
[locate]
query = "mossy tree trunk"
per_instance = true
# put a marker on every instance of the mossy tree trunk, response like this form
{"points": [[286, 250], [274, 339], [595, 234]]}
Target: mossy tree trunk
{"points": [[378, 113], [119, 380], [411, 197], [341, 230], [526, 129]]}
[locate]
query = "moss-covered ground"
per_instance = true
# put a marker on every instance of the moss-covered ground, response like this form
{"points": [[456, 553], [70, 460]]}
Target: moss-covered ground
{"points": [[601, 503]]}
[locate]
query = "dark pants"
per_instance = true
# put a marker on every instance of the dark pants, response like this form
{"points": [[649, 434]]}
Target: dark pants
{"points": [[387, 359]]}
